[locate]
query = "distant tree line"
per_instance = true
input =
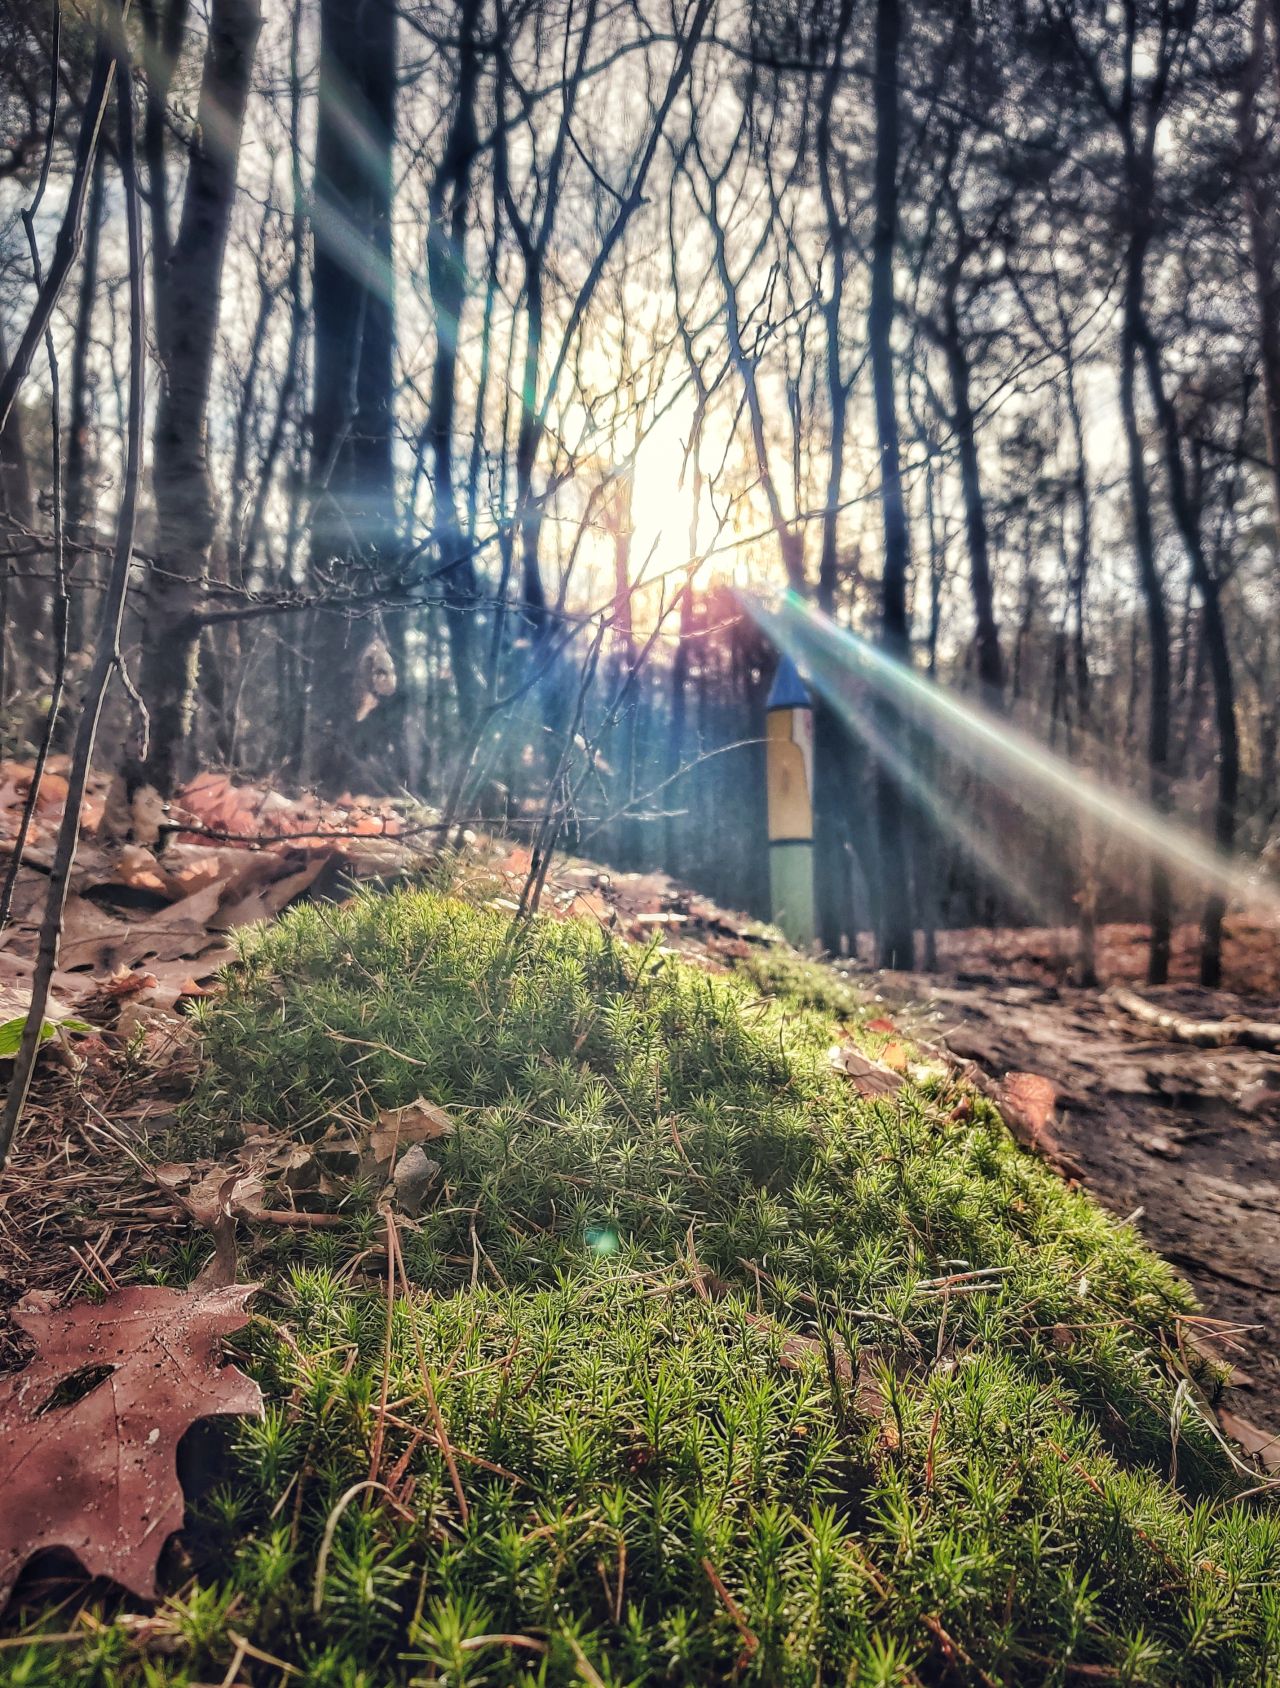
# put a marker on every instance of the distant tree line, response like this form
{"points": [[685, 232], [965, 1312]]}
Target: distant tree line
{"points": [[490, 343]]}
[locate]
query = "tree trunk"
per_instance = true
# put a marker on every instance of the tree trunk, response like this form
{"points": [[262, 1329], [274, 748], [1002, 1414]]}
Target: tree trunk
{"points": [[191, 288], [352, 525], [17, 603], [446, 277], [896, 934], [990, 663], [81, 529], [1152, 592], [1264, 234], [1187, 516]]}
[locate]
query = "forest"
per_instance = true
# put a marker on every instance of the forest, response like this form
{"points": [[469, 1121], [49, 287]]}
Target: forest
{"points": [[639, 843], [488, 350]]}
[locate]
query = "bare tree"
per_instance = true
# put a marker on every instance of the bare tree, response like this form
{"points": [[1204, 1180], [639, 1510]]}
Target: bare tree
{"points": [[189, 281]]}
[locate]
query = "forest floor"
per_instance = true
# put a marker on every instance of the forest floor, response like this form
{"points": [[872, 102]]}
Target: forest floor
{"points": [[726, 1144], [1184, 1140]]}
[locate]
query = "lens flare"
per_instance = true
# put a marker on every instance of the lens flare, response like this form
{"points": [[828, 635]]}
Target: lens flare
{"points": [[840, 664]]}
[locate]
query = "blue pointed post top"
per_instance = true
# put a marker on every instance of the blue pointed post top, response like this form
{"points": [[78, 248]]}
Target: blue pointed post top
{"points": [[788, 690]]}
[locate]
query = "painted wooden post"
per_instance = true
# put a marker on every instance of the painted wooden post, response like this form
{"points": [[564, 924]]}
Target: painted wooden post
{"points": [[789, 758]]}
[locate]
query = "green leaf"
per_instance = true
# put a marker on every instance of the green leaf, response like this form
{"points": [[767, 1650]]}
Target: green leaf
{"points": [[11, 1033]]}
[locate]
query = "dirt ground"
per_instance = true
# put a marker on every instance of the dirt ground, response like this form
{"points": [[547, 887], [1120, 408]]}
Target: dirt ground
{"points": [[1185, 1140]]}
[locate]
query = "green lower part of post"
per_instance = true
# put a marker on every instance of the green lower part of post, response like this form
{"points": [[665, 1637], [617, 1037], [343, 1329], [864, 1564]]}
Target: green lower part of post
{"points": [[791, 890]]}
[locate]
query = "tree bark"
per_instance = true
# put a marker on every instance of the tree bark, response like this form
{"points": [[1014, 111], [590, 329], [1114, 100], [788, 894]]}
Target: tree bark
{"points": [[896, 934], [1264, 233], [990, 663], [352, 526], [186, 513], [446, 277], [16, 521], [1187, 516], [80, 526], [1152, 586]]}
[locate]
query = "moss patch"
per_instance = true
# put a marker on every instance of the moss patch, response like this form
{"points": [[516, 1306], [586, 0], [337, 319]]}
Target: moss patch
{"points": [[742, 1377]]}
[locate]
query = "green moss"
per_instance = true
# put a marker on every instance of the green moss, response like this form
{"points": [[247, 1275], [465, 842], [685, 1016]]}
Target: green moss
{"points": [[677, 1302]]}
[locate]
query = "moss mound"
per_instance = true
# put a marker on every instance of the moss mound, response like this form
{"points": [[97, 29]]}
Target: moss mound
{"points": [[711, 1370]]}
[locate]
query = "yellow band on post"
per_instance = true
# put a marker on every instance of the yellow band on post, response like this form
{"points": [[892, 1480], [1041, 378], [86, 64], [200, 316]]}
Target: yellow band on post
{"points": [[789, 777]]}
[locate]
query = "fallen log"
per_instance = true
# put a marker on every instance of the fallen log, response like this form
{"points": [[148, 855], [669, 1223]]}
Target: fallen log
{"points": [[1205, 1034]]}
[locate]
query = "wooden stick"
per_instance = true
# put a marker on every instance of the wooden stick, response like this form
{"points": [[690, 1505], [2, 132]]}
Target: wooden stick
{"points": [[106, 660], [1206, 1034], [112, 51]]}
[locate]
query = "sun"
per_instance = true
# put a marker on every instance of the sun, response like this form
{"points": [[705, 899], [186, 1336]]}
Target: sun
{"points": [[662, 494]]}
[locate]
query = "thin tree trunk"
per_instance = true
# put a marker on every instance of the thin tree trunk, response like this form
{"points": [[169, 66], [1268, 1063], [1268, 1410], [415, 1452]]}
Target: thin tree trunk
{"points": [[1264, 232], [896, 936], [186, 514], [1153, 598], [446, 276], [297, 315], [164, 25], [351, 464], [81, 530], [106, 662], [990, 663], [17, 514], [1187, 516], [67, 245]]}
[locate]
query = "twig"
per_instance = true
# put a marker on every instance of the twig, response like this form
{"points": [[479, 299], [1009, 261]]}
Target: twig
{"points": [[1206, 1034], [111, 54], [433, 1406], [107, 659], [375, 1457], [330, 1529], [750, 1641], [558, 788], [60, 601]]}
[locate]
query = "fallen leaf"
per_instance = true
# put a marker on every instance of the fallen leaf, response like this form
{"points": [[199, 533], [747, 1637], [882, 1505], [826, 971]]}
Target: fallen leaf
{"points": [[172, 1175], [98, 1476], [880, 1024], [796, 1351], [1262, 1097], [214, 1202], [420, 1122], [72, 988], [53, 793], [127, 981], [92, 938], [275, 894], [1026, 1102], [869, 1077], [146, 815], [139, 870], [1031, 1097], [415, 1173], [1263, 1445], [137, 1015], [895, 1056]]}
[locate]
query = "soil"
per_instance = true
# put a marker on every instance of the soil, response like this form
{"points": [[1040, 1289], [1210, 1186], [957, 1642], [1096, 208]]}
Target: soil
{"points": [[1185, 1141]]}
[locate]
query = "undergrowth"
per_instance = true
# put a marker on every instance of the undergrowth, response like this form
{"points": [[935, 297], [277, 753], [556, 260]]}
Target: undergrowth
{"points": [[744, 1377]]}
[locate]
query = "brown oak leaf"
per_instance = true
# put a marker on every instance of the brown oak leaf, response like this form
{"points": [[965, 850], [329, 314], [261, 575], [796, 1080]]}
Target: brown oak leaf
{"points": [[97, 1475], [869, 1077], [420, 1122], [1027, 1101]]}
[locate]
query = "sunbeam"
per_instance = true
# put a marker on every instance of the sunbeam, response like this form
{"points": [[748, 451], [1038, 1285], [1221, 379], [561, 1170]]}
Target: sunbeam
{"points": [[839, 661]]}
